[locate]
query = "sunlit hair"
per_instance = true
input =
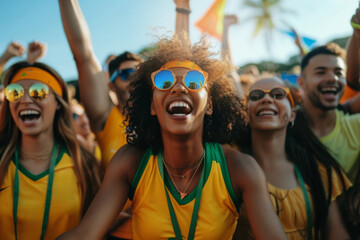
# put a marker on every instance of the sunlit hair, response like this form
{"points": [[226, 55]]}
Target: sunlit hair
{"points": [[86, 168], [328, 49], [304, 149], [143, 128]]}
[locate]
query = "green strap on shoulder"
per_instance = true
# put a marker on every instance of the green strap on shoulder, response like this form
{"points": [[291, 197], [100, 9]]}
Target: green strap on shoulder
{"points": [[53, 161], [194, 216], [307, 203]]}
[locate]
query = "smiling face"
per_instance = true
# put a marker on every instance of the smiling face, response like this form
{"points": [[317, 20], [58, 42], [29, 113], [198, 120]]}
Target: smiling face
{"points": [[323, 81], [179, 110], [120, 86], [268, 113], [34, 117]]}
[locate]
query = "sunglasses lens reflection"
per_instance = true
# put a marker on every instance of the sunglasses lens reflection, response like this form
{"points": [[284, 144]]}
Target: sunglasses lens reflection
{"points": [[278, 93], [256, 95], [14, 92], [164, 79], [39, 91], [194, 80], [125, 73]]}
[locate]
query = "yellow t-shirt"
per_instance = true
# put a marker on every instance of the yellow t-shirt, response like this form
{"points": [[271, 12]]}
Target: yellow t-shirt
{"points": [[65, 207], [110, 139], [344, 142], [218, 210], [291, 207]]}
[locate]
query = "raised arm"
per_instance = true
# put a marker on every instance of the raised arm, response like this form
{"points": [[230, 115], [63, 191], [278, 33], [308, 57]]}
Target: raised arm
{"points": [[14, 49], [182, 18], [298, 43], [353, 55], [35, 51], [110, 198], [249, 183], [94, 90], [225, 46]]}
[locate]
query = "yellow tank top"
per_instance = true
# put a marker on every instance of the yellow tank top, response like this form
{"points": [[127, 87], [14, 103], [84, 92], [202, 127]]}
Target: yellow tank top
{"points": [[219, 205], [65, 207], [110, 139], [291, 207]]}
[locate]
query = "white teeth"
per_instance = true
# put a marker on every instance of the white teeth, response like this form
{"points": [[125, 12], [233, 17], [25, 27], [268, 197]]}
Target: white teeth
{"points": [[178, 104], [266, 112], [329, 89], [28, 112], [179, 114]]}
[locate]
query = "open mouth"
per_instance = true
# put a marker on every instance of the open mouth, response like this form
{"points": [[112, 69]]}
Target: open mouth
{"points": [[179, 108], [29, 115], [266, 112], [329, 90]]}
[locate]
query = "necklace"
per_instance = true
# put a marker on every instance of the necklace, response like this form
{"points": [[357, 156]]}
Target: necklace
{"points": [[183, 194], [168, 167]]}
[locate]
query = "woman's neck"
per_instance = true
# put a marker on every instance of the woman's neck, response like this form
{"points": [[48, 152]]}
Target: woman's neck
{"points": [[268, 147], [36, 148], [182, 152]]}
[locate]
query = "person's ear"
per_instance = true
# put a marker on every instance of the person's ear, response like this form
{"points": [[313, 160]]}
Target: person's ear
{"points": [[209, 109], [112, 86], [152, 109], [292, 114], [300, 81]]}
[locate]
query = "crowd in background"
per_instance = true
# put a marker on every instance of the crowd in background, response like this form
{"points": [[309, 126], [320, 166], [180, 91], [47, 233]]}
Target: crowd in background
{"points": [[177, 143]]}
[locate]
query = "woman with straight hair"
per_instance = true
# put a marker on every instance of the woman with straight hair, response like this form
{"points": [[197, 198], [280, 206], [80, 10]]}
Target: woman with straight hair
{"points": [[47, 180]]}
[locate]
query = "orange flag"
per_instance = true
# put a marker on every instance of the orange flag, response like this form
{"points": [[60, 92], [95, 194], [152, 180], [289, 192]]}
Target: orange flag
{"points": [[212, 21]]}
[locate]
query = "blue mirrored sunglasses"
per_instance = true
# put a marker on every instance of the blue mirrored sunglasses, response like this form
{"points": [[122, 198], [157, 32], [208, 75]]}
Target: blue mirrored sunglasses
{"points": [[123, 73], [193, 80]]}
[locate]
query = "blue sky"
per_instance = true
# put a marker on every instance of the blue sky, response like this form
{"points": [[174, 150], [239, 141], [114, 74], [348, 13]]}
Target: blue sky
{"points": [[119, 25]]}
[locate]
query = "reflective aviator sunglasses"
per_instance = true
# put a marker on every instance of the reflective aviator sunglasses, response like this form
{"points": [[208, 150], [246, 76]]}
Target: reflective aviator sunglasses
{"points": [[193, 80], [15, 92], [275, 93]]}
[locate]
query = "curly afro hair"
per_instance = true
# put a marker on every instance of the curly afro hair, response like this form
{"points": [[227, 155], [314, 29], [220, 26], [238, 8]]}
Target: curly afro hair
{"points": [[228, 112]]}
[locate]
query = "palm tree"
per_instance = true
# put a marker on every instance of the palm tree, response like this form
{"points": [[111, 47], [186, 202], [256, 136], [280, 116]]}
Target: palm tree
{"points": [[264, 17]]}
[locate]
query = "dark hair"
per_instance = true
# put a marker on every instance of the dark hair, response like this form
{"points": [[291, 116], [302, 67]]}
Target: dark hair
{"points": [[125, 56], [329, 49], [86, 169], [350, 206], [144, 129]]}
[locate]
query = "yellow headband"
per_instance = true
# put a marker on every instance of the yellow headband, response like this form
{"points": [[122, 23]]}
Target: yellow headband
{"points": [[181, 63], [40, 75]]}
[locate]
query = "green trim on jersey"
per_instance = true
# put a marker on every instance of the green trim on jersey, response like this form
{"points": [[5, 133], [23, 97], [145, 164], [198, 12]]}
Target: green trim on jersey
{"points": [[192, 195], [36, 177], [139, 172], [226, 175]]}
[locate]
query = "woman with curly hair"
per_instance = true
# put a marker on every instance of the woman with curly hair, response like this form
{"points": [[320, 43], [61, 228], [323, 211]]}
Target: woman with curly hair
{"points": [[303, 179], [46, 180], [182, 182]]}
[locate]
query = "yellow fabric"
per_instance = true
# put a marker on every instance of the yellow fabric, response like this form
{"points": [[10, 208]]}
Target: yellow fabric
{"points": [[97, 152], [344, 142], [292, 208], [151, 219], [110, 139], [181, 63], [40, 75], [65, 208]]}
